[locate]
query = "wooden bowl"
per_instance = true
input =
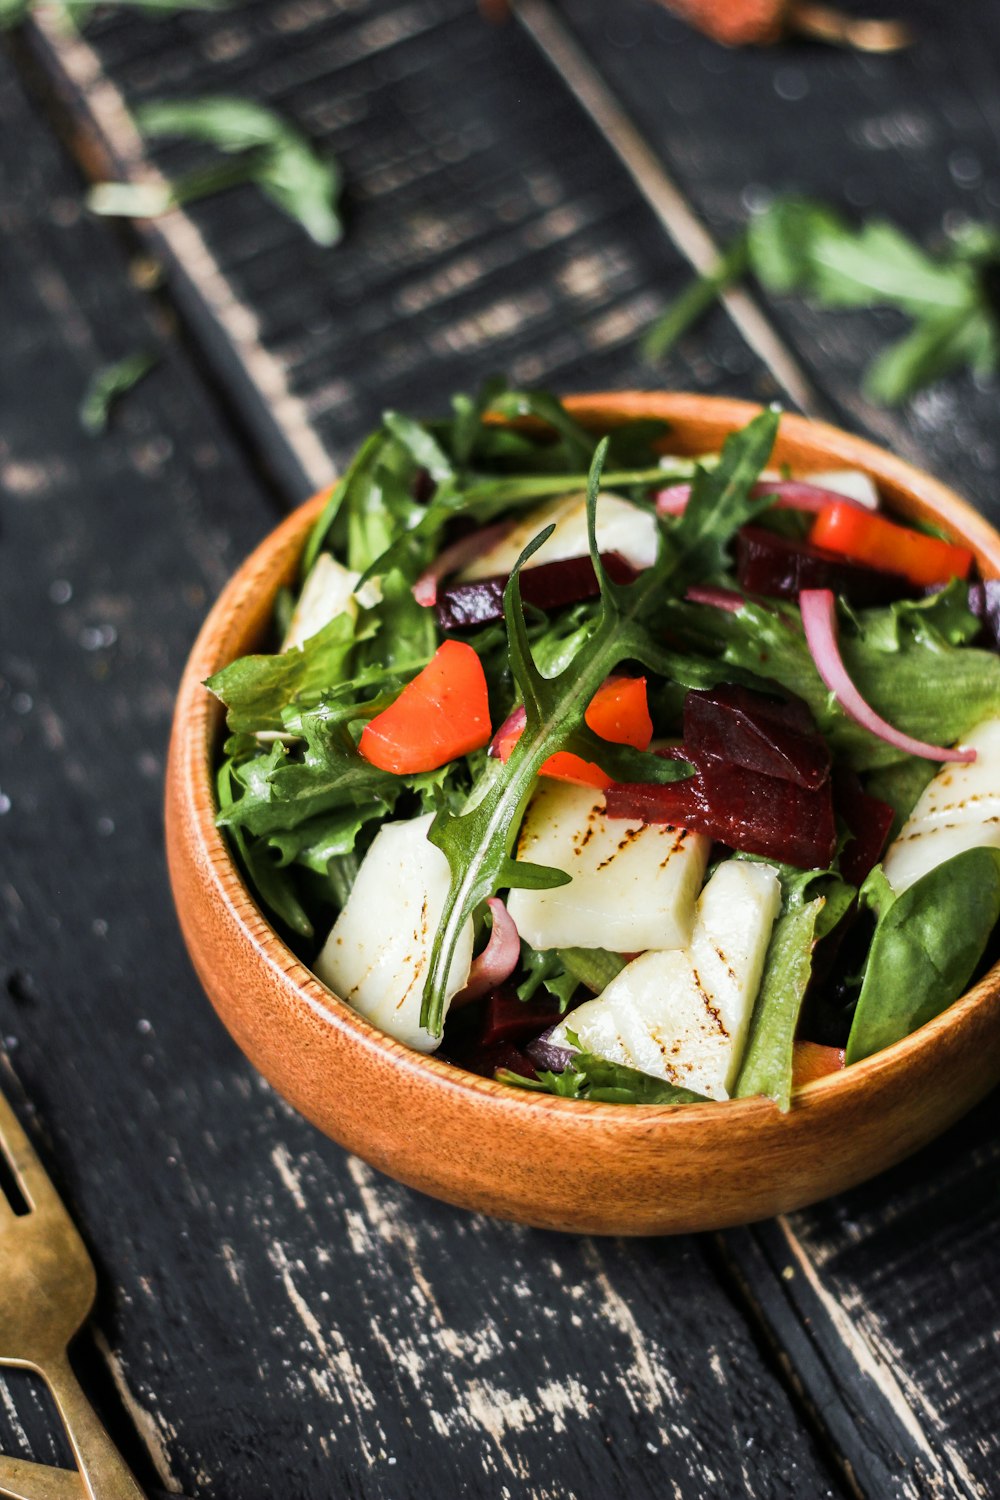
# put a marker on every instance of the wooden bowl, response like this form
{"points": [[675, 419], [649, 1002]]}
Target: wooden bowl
{"points": [[554, 1163]]}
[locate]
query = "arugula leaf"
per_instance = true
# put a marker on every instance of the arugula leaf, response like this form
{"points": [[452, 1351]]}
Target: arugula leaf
{"points": [[271, 153], [281, 792], [594, 967], [108, 384], [592, 1077], [319, 840], [799, 245], [544, 969], [272, 884], [256, 689], [927, 944], [479, 844]]}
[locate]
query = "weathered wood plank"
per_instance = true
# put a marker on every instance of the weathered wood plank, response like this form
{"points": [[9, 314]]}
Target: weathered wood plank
{"points": [[284, 1322], [488, 226]]}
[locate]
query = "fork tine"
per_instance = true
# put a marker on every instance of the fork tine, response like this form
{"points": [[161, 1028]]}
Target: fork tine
{"points": [[28, 1171], [21, 1480]]}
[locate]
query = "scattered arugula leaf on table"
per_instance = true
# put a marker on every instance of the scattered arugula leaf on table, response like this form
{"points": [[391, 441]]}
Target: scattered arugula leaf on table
{"points": [[266, 149], [802, 246], [108, 384]]}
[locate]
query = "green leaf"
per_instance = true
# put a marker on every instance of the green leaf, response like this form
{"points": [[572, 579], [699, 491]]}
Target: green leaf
{"points": [[272, 884], [304, 184], [592, 1077], [799, 245], [319, 840], [544, 969], [109, 384], [594, 967], [479, 844], [767, 1060], [256, 689], [927, 944], [692, 304]]}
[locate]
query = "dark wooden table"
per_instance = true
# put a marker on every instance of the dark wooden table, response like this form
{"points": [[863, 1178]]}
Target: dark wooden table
{"points": [[276, 1319]]}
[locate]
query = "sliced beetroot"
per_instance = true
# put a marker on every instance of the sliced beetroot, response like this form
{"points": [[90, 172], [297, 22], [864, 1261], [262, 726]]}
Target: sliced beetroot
{"points": [[779, 567], [463, 606], [752, 813], [510, 1019], [486, 1060], [984, 602], [741, 727], [868, 820]]}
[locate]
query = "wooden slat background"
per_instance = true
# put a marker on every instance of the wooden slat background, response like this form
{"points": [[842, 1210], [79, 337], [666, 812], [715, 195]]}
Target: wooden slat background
{"points": [[280, 1320]]}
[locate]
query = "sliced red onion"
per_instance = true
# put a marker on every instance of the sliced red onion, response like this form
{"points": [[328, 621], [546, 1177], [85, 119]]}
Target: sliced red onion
{"points": [[819, 620], [457, 556], [515, 721], [546, 1055], [790, 494], [727, 599], [498, 959]]}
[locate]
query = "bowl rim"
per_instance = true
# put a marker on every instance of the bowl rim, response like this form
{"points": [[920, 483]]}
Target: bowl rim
{"points": [[198, 717]]}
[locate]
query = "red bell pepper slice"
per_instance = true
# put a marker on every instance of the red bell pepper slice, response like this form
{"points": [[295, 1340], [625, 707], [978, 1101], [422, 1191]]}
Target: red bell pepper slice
{"points": [[811, 1060], [868, 538], [618, 712], [443, 713]]}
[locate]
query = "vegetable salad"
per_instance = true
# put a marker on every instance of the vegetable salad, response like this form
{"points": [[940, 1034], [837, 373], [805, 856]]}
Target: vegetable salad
{"points": [[616, 774]]}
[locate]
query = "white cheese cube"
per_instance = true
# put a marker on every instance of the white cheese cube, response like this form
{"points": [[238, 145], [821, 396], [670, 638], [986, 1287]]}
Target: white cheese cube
{"points": [[621, 528], [683, 1015], [958, 810], [632, 886], [326, 593], [854, 484], [377, 955]]}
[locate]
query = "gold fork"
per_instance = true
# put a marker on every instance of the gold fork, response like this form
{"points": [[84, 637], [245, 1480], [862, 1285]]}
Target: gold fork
{"points": [[47, 1290]]}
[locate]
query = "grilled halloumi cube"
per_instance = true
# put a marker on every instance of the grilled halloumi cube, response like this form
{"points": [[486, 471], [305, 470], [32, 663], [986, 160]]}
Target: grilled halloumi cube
{"points": [[683, 1015], [377, 954], [958, 810], [621, 528], [633, 885]]}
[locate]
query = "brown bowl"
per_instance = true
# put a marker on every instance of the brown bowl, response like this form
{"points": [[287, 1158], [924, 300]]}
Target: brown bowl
{"points": [[555, 1163]]}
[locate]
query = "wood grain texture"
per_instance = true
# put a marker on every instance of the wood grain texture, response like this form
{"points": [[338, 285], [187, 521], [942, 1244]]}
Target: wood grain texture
{"points": [[282, 1321], [489, 225]]}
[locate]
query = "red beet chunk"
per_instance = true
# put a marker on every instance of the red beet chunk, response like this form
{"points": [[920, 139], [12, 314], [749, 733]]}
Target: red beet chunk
{"points": [[486, 1060], [509, 1019], [868, 820], [740, 727], [753, 813], [767, 563], [462, 606]]}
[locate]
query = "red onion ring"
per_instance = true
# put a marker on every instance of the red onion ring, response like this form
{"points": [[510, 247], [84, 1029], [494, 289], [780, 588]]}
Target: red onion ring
{"points": [[498, 959], [791, 494], [726, 599], [819, 620], [516, 720], [464, 551]]}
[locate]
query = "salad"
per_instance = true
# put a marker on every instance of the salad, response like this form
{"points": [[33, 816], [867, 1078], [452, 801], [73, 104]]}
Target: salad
{"points": [[621, 775]]}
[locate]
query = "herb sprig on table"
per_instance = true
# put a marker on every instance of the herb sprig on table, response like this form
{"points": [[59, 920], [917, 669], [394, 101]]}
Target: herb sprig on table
{"points": [[805, 247], [263, 148]]}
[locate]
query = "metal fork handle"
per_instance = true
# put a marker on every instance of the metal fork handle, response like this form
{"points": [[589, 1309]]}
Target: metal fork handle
{"points": [[105, 1474]]}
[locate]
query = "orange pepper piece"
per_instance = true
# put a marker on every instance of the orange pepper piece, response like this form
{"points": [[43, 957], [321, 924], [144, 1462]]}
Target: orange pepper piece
{"points": [[618, 712], [871, 539], [443, 713], [810, 1061]]}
